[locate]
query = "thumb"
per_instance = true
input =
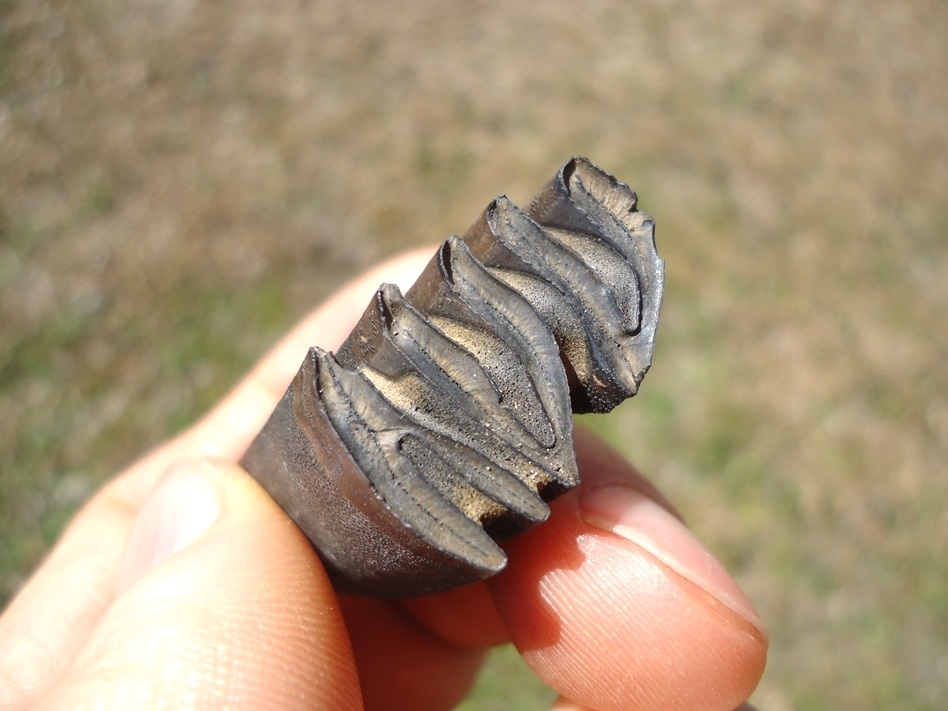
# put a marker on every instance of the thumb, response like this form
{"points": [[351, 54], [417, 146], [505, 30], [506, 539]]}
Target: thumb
{"points": [[222, 604]]}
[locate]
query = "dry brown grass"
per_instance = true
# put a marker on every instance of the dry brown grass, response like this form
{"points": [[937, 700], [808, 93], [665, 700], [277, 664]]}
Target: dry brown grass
{"points": [[180, 180]]}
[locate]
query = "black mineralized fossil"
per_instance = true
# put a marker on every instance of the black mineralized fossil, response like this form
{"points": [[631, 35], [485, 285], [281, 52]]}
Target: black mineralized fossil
{"points": [[444, 421]]}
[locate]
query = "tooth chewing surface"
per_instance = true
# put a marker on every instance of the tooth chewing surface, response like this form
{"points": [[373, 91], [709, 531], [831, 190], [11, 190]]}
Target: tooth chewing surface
{"points": [[444, 420]]}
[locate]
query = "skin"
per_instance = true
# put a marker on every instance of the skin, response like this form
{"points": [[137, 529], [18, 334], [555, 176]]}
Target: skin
{"points": [[182, 585]]}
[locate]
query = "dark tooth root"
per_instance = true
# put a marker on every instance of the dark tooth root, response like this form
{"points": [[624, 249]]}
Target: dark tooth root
{"points": [[444, 420]]}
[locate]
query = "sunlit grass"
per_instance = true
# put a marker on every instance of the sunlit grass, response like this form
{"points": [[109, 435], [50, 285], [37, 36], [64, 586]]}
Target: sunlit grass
{"points": [[169, 206]]}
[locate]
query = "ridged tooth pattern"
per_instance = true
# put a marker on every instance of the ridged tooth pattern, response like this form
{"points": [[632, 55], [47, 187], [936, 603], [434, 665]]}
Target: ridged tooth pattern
{"points": [[444, 420]]}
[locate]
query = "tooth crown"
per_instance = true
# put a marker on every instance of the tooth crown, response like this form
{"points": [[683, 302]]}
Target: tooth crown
{"points": [[444, 420]]}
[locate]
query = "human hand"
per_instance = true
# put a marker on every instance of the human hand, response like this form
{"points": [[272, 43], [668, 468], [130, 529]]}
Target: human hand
{"points": [[182, 585]]}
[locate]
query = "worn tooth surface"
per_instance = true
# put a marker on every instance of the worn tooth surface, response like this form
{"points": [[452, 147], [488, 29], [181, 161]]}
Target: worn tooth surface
{"points": [[444, 420]]}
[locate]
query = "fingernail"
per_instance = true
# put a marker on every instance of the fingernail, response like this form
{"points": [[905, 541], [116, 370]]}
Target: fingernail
{"points": [[185, 503], [632, 515]]}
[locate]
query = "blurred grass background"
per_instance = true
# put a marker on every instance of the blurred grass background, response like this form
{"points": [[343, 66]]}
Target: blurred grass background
{"points": [[181, 180]]}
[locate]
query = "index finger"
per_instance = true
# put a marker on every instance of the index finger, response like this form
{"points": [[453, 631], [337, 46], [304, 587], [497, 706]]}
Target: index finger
{"points": [[616, 605]]}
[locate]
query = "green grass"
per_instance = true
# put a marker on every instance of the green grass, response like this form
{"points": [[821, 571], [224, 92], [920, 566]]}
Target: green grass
{"points": [[178, 185], [508, 684]]}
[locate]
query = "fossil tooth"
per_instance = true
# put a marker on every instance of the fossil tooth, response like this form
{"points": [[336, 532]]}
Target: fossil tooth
{"points": [[444, 420]]}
